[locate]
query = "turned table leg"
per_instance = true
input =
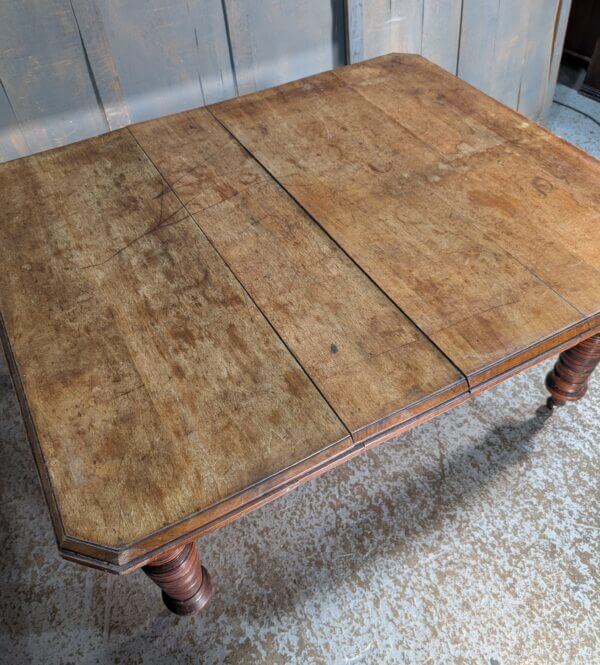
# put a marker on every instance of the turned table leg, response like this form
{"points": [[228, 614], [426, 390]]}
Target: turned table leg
{"points": [[568, 381], [185, 583]]}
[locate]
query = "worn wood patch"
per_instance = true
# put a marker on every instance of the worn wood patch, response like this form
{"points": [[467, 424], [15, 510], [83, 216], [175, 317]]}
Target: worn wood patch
{"points": [[156, 386], [397, 199], [207, 310], [370, 362]]}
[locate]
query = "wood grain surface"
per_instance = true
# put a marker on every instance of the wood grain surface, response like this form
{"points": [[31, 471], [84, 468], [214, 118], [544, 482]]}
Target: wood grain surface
{"points": [[468, 232], [371, 363], [156, 386], [204, 311]]}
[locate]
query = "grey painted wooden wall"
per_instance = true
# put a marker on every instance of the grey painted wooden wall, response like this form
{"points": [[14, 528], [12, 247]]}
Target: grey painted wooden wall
{"points": [[510, 49], [70, 69]]}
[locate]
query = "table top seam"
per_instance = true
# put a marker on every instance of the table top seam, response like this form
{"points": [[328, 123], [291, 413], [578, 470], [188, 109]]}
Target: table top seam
{"points": [[230, 269], [336, 243]]}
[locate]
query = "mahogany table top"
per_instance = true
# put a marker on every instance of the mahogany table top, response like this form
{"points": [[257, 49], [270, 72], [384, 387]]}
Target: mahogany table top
{"points": [[204, 310]]}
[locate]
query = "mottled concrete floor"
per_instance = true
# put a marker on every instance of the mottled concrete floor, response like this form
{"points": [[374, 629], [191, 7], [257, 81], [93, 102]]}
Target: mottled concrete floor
{"points": [[574, 126], [471, 539]]}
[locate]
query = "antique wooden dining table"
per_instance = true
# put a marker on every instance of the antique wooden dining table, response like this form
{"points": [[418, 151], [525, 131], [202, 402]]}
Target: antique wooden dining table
{"points": [[203, 311]]}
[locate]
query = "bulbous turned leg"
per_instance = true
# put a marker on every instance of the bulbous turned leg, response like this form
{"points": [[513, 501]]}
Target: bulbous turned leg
{"points": [[186, 585], [568, 381]]}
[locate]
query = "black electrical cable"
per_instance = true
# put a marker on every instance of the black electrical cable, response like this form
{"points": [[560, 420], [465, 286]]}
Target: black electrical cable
{"points": [[587, 115]]}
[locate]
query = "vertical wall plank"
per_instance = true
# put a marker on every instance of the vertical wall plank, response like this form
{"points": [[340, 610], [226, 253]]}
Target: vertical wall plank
{"points": [[477, 46], [152, 54], [274, 41], [441, 32], [355, 47], [563, 8], [511, 49], [492, 46], [213, 53], [535, 72], [429, 27], [45, 74], [102, 63], [376, 27], [12, 141], [165, 56], [508, 48], [70, 69], [406, 25]]}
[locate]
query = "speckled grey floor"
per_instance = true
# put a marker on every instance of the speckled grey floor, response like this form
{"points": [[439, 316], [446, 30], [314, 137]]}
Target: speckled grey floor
{"points": [[574, 126], [471, 539]]}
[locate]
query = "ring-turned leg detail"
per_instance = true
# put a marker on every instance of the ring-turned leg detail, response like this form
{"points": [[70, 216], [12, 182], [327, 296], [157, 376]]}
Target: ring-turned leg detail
{"points": [[185, 583], [568, 381]]}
